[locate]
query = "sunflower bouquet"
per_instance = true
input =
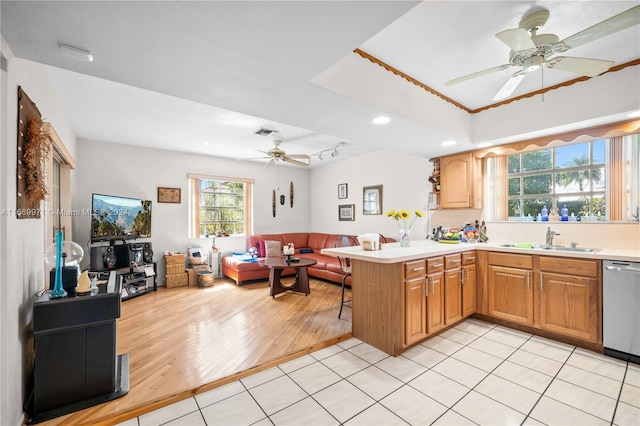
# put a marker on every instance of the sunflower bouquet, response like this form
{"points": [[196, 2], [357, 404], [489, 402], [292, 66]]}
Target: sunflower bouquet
{"points": [[402, 216]]}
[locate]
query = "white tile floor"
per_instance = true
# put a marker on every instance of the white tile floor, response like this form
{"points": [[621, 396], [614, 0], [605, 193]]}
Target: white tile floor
{"points": [[475, 373]]}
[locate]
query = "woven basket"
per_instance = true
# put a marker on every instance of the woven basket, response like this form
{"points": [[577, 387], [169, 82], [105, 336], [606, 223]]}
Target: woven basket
{"points": [[205, 279], [174, 258], [174, 268], [197, 260], [177, 280]]}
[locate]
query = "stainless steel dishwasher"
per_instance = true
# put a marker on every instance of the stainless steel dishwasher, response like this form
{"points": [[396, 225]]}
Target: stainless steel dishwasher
{"points": [[621, 309]]}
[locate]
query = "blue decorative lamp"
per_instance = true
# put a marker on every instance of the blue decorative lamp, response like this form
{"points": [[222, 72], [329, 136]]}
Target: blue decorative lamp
{"points": [[57, 255]]}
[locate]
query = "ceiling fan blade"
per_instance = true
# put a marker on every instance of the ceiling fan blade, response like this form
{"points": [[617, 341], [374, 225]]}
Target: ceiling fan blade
{"points": [[510, 86], [292, 161], [303, 156], [582, 66], [270, 162], [518, 39], [614, 24], [477, 74]]}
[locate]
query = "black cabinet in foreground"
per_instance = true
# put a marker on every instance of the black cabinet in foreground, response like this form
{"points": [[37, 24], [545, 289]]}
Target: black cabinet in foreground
{"points": [[75, 364]]}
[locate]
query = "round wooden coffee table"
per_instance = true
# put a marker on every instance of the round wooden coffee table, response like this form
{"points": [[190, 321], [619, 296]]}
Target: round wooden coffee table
{"points": [[277, 265]]}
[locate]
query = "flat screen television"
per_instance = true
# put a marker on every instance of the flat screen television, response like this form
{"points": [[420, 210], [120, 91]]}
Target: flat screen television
{"points": [[119, 218]]}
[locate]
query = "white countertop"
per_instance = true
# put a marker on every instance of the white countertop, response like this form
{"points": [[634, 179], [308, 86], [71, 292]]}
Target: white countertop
{"points": [[419, 249]]}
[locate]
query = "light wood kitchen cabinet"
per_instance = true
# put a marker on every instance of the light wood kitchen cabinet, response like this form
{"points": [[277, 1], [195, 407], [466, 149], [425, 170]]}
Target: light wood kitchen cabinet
{"points": [[570, 299], [436, 294], [453, 289], [510, 288], [460, 181], [468, 275], [415, 302]]}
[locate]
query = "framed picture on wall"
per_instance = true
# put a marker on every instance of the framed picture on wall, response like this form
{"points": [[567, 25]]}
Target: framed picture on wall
{"points": [[168, 195], [372, 199], [343, 191], [346, 212]]}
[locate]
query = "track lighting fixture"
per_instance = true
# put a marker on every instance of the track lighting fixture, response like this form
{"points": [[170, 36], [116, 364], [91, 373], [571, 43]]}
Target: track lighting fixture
{"points": [[333, 151]]}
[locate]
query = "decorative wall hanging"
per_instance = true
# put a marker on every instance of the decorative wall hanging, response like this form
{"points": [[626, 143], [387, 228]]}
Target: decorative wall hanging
{"points": [[372, 199], [168, 195], [282, 199], [291, 194], [346, 212], [343, 191], [273, 202], [34, 146]]}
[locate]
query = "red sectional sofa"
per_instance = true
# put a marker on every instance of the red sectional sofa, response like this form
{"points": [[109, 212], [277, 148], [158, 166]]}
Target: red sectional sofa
{"points": [[327, 268]]}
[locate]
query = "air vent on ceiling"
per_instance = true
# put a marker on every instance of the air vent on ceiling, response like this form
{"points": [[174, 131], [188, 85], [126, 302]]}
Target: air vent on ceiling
{"points": [[264, 132]]}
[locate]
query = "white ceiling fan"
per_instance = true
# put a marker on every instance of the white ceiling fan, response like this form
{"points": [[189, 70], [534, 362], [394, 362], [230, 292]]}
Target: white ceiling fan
{"points": [[277, 154], [530, 50]]}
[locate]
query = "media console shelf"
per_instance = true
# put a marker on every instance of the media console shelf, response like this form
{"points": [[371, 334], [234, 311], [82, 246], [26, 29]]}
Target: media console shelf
{"points": [[139, 280], [134, 281]]}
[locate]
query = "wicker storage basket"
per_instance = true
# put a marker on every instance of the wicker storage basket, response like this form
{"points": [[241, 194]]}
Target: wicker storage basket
{"points": [[193, 273], [174, 268], [174, 258], [177, 280], [197, 260], [205, 279]]}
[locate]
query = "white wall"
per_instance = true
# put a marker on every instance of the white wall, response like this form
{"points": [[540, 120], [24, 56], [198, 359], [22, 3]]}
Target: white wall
{"points": [[404, 187], [23, 241], [128, 171]]}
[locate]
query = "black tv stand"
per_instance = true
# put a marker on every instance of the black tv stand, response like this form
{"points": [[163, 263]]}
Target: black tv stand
{"points": [[135, 281]]}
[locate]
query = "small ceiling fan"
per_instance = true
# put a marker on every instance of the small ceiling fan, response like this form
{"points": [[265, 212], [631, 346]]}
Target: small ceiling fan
{"points": [[530, 50], [276, 154]]}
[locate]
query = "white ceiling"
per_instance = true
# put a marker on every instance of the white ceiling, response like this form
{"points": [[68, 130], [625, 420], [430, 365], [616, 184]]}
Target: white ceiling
{"points": [[203, 76]]}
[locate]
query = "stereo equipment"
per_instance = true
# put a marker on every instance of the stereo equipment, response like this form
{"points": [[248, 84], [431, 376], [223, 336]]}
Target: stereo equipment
{"points": [[120, 256], [103, 257], [147, 253]]}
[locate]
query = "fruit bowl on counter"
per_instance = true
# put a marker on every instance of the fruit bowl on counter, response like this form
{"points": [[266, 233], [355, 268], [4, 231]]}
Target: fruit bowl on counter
{"points": [[452, 236]]}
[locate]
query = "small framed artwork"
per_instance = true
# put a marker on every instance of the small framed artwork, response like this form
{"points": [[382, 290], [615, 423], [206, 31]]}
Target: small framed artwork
{"points": [[346, 212], [168, 195], [372, 199], [343, 191]]}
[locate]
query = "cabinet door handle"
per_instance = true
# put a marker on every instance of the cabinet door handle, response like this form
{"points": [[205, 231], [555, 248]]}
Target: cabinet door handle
{"points": [[468, 198], [471, 258], [528, 279], [540, 280], [437, 265], [417, 269], [462, 276], [426, 289], [455, 261]]}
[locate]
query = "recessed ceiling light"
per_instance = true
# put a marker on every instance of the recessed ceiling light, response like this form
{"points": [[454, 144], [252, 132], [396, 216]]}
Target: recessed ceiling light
{"points": [[381, 120], [634, 114], [448, 143], [484, 144], [76, 53]]}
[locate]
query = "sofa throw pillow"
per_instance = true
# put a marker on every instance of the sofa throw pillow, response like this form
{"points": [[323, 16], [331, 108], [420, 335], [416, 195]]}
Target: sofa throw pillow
{"points": [[272, 249], [260, 248], [306, 250]]}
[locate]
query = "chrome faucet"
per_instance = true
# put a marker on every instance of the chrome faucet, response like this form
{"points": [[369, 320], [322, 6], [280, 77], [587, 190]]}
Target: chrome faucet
{"points": [[550, 235]]}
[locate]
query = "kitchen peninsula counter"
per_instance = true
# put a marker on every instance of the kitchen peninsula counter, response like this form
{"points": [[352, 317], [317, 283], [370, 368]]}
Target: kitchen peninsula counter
{"points": [[393, 288]]}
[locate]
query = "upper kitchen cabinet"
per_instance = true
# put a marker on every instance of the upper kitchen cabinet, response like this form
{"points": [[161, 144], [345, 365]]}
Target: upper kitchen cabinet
{"points": [[461, 181]]}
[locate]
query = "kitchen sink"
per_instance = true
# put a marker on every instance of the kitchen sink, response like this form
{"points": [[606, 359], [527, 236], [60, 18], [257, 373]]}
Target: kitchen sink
{"points": [[545, 247], [571, 249]]}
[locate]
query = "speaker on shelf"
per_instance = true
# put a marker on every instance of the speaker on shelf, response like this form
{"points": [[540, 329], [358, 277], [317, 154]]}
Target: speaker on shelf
{"points": [[147, 253], [102, 258]]}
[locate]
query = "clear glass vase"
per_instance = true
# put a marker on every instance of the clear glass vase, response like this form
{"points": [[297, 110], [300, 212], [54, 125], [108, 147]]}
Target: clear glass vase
{"points": [[405, 237]]}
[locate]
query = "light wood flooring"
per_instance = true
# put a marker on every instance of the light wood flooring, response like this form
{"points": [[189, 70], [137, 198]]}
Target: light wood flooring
{"points": [[187, 340]]}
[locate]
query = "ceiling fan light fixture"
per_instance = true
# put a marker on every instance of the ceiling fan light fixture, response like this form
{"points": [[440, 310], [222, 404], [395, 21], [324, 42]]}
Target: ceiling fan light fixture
{"points": [[533, 63], [76, 53]]}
